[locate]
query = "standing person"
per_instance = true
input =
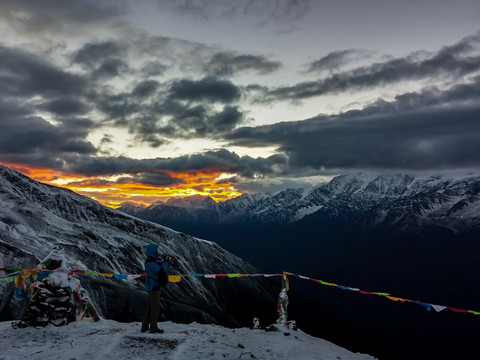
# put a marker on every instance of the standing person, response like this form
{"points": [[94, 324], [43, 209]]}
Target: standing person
{"points": [[155, 281]]}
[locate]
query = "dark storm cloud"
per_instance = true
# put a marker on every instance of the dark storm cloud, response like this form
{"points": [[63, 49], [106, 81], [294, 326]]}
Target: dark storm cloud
{"points": [[109, 69], [153, 140], [103, 59], [58, 16], [116, 106], [208, 89], [225, 64], [453, 97], [211, 161], [64, 106], [335, 60], [189, 121], [227, 119], [145, 88], [92, 54], [184, 109], [25, 75], [153, 178], [183, 121], [427, 130], [153, 68], [451, 62], [26, 136], [201, 121]]}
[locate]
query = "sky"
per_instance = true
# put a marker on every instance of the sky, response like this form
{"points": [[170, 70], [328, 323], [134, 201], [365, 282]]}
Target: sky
{"points": [[145, 100]]}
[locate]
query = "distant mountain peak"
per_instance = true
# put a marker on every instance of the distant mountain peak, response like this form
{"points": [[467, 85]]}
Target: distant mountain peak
{"points": [[191, 202]]}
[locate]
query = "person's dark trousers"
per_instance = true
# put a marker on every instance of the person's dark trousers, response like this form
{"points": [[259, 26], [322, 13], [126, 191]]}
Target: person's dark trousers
{"points": [[151, 314]]}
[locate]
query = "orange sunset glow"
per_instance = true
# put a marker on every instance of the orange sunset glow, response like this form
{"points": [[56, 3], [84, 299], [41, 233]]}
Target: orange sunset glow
{"points": [[110, 192]]}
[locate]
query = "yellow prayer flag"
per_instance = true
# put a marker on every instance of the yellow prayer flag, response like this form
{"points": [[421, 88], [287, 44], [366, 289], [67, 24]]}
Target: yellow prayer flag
{"points": [[19, 281], [31, 271], [174, 278]]}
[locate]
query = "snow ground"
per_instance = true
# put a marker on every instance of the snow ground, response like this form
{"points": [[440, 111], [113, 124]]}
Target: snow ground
{"points": [[108, 339]]}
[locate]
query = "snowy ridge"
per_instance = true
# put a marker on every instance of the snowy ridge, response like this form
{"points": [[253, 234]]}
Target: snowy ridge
{"points": [[35, 217], [108, 339]]}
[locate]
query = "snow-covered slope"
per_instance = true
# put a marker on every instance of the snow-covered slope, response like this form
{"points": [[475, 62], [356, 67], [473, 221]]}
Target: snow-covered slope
{"points": [[108, 339], [34, 217], [403, 200]]}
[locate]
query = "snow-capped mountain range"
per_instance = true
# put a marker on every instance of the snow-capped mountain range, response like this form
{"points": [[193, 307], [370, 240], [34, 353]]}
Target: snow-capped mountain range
{"points": [[371, 199], [35, 217], [415, 237]]}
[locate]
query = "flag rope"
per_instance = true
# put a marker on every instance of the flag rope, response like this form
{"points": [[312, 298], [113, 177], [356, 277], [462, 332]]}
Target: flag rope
{"points": [[177, 278]]}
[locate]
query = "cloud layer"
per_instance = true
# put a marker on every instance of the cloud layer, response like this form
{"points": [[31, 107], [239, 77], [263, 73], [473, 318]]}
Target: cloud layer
{"points": [[64, 105], [449, 63]]}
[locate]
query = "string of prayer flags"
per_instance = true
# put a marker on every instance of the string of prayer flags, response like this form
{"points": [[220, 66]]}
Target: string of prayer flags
{"points": [[172, 278], [18, 275], [428, 306]]}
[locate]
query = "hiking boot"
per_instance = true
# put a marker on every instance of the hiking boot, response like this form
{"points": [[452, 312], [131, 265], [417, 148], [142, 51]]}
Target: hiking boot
{"points": [[156, 331], [144, 328]]}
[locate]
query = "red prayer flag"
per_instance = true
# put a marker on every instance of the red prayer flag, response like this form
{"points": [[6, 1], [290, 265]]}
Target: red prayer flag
{"points": [[366, 292], [458, 310]]}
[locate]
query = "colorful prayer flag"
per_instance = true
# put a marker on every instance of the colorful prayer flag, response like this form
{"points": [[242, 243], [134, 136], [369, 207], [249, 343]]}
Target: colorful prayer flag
{"points": [[174, 278]]}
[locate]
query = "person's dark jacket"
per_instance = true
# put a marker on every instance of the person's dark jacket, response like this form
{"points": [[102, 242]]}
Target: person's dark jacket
{"points": [[152, 268]]}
